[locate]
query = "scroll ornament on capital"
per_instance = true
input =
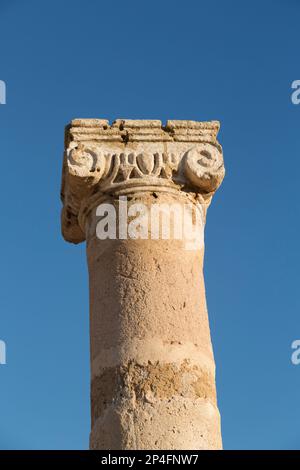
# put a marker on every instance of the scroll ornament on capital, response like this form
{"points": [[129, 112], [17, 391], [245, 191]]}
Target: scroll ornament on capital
{"points": [[201, 167]]}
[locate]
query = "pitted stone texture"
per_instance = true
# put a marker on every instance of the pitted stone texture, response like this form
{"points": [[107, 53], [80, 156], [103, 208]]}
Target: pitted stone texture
{"points": [[148, 383], [158, 406]]}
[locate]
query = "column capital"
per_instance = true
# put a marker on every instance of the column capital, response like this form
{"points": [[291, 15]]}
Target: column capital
{"points": [[131, 156]]}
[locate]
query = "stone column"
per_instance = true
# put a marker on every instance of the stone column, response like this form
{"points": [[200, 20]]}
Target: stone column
{"points": [[152, 365]]}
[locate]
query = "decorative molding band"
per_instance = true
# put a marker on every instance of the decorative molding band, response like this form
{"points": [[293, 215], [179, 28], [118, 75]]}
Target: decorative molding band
{"points": [[128, 130]]}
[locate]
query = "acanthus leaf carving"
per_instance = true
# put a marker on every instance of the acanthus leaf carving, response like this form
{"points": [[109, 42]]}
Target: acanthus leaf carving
{"points": [[89, 166]]}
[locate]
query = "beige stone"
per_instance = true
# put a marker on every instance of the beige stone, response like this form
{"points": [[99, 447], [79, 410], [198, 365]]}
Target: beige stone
{"points": [[152, 365]]}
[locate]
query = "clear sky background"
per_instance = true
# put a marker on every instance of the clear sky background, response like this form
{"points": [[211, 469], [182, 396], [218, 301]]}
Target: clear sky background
{"points": [[233, 61]]}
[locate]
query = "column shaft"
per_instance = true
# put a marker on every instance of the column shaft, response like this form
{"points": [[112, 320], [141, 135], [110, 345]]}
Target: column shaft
{"points": [[153, 377]]}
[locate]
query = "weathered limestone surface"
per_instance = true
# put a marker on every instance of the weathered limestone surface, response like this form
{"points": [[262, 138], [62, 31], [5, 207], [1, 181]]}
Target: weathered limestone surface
{"points": [[152, 365]]}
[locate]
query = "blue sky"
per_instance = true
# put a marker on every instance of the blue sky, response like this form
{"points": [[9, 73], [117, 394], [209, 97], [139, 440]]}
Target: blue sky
{"points": [[232, 61]]}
